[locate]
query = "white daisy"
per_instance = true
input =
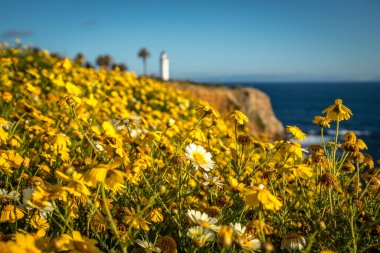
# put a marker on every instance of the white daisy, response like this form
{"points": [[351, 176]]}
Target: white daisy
{"points": [[199, 157], [210, 180], [249, 244], [43, 210], [202, 219], [238, 228], [12, 195], [293, 242], [170, 122], [201, 235], [148, 246], [99, 147]]}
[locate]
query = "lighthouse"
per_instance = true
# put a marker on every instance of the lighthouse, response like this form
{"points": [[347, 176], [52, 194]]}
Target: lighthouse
{"points": [[164, 66]]}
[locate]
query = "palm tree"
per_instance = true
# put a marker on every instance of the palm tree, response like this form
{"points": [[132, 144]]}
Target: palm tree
{"points": [[122, 67], [104, 61], [80, 59], [144, 53]]}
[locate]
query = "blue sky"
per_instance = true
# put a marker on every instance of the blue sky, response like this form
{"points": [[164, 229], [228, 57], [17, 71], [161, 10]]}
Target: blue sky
{"points": [[253, 40]]}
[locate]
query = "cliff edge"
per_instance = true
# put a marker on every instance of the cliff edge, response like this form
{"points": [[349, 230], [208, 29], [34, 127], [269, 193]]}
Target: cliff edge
{"points": [[252, 102]]}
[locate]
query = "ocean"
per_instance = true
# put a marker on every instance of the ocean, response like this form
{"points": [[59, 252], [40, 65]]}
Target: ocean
{"points": [[298, 103]]}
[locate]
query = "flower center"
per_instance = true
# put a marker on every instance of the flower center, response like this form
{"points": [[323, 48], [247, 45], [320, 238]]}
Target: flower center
{"points": [[205, 224], [199, 158]]}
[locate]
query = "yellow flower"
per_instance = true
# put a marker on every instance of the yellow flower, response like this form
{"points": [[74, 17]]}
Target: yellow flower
{"points": [[156, 215], [109, 129], [13, 158], [66, 64], [197, 134], [337, 111], [108, 174], [5, 123], [207, 110], [24, 243], [302, 171], [350, 137], [135, 220], [234, 184], [7, 96], [361, 144], [76, 184], [294, 148], [60, 144], [260, 195], [5, 61], [296, 132], [225, 235], [76, 243], [11, 213], [238, 117], [5, 166], [3, 136], [40, 224], [72, 89]]}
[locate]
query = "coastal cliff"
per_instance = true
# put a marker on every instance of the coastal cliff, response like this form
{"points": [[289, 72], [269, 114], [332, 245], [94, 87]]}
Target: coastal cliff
{"points": [[252, 102]]}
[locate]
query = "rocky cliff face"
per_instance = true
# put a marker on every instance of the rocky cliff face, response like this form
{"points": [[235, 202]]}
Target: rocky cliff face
{"points": [[252, 102]]}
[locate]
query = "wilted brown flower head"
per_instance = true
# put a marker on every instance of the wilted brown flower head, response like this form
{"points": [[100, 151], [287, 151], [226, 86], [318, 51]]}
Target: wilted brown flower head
{"points": [[213, 211], [328, 180], [224, 200], [348, 167], [349, 146], [244, 139], [167, 244]]}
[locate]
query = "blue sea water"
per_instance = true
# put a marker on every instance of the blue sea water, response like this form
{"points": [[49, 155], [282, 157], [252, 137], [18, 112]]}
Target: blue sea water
{"points": [[298, 103]]}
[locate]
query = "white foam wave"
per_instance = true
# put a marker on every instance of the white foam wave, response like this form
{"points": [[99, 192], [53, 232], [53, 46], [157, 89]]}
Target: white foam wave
{"points": [[344, 131]]}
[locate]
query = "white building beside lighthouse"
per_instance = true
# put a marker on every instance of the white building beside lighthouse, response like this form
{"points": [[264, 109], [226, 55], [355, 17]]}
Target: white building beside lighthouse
{"points": [[164, 67]]}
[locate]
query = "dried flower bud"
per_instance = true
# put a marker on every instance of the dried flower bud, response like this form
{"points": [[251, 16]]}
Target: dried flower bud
{"points": [[322, 225], [268, 247], [167, 244], [328, 180], [213, 211], [170, 123], [244, 139]]}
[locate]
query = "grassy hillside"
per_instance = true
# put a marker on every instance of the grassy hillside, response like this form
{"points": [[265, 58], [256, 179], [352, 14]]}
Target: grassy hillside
{"points": [[97, 160]]}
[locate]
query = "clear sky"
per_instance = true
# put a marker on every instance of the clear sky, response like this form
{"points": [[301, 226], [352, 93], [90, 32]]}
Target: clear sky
{"points": [[236, 40]]}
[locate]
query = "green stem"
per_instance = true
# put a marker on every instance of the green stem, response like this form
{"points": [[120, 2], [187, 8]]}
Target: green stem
{"points": [[335, 146], [111, 221], [323, 142], [262, 234], [81, 129], [358, 180], [331, 203], [352, 227]]}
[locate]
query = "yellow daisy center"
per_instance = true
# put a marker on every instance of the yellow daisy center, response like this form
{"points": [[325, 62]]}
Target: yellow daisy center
{"points": [[199, 158], [205, 224]]}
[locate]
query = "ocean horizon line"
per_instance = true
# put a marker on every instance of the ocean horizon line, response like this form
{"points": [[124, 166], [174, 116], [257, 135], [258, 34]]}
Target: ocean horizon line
{"points": [[286, 82]]}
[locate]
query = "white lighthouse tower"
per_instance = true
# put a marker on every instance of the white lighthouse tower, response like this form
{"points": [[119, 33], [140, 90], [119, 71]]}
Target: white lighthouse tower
{"points": [[164, 67]]}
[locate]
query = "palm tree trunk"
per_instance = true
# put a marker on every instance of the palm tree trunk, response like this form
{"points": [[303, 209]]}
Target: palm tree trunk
{"points": [[145, 67]]}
